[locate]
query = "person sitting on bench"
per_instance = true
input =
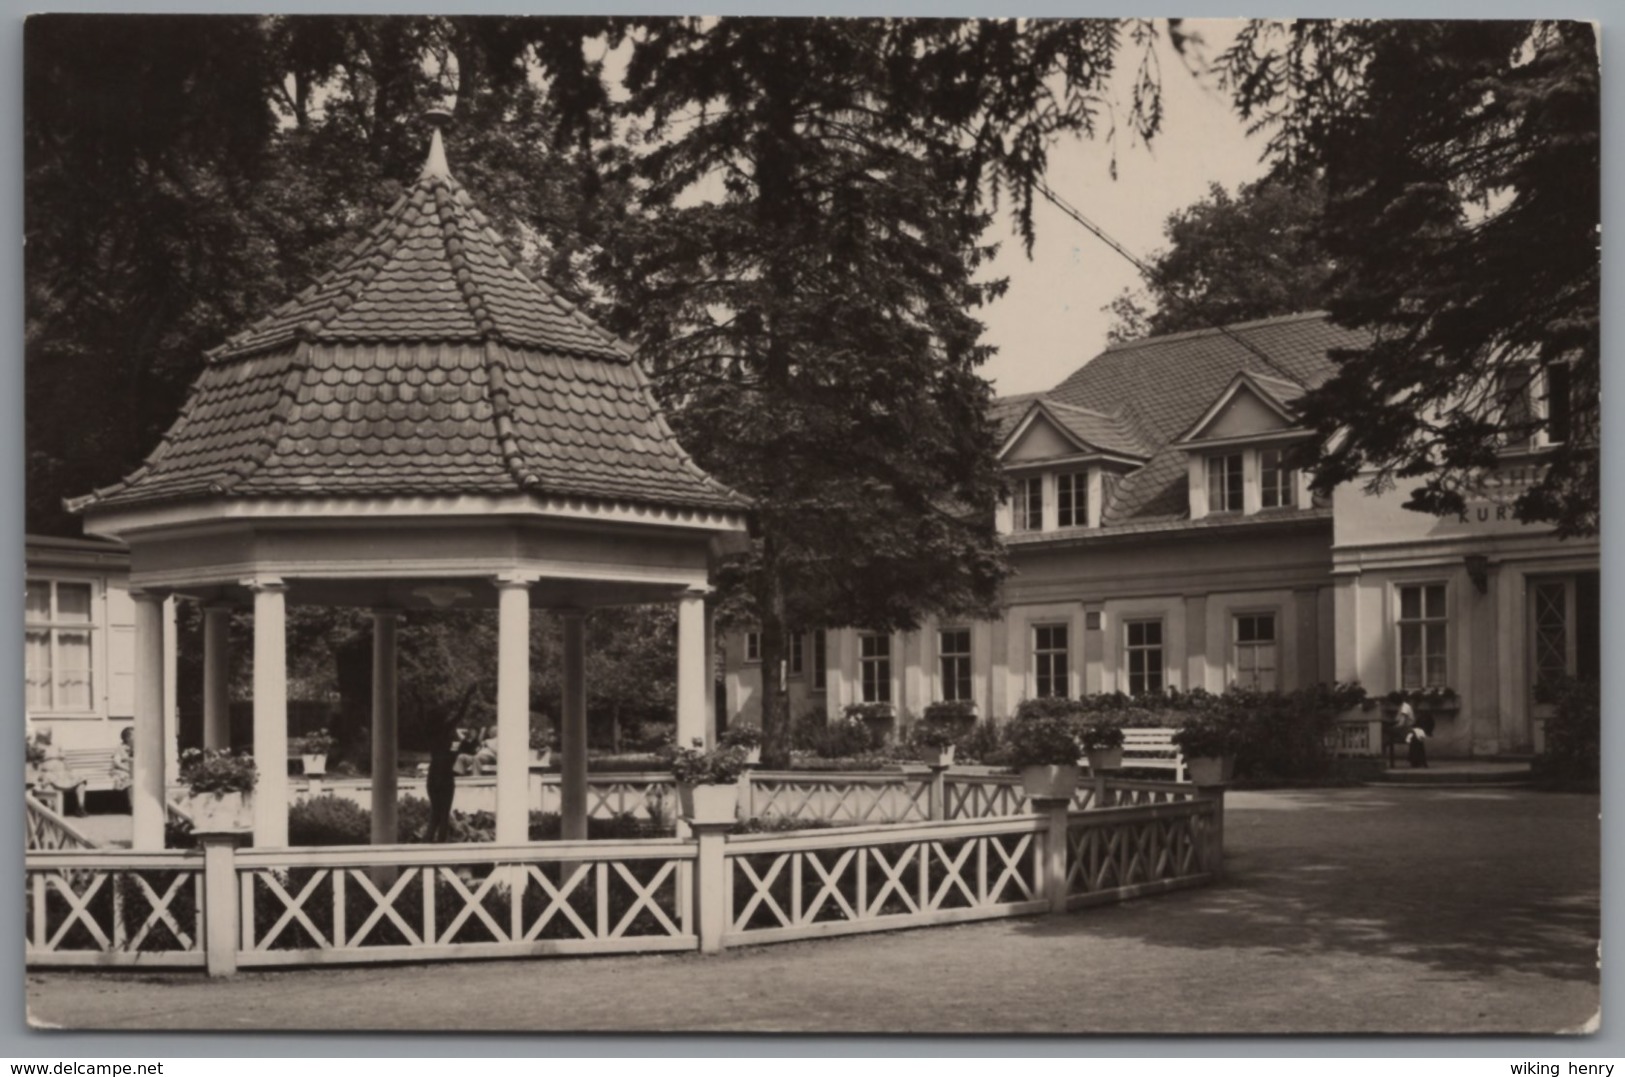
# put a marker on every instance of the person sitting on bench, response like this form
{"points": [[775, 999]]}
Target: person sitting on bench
{"points": [[55, 774]]}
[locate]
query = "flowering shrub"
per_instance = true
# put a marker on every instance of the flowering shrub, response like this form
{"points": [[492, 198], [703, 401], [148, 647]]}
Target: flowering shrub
{"points": [[1036, 742], [1210, 735], [218, 770], [932, 735], [36, 748], [869, 712], [1101, 735], [699, 766], [742, 736], [956, 713], [1437, 696], [318, 743], [542, 737]]}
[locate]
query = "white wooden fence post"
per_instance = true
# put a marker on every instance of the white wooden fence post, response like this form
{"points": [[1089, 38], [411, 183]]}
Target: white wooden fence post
{"points": [[1055, 810], [710, 884], [939, 800], [747, 792], [221, 911]]}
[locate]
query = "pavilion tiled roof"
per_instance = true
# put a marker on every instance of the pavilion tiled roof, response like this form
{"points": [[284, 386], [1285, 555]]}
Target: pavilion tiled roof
{"points": [[1159, 386], [425, 363]]}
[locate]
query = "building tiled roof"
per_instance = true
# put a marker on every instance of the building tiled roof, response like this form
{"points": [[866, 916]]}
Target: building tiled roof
{"points": [[1113, 433], [1159, 386], [425, 363]]}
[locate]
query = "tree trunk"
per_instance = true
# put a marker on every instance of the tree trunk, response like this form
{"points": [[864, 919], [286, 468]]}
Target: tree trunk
{"points": [[775, 705]]}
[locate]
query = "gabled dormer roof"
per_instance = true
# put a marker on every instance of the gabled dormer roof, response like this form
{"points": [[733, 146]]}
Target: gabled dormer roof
{"points": [[1083, 431], [1252, 404], [424, 364]]}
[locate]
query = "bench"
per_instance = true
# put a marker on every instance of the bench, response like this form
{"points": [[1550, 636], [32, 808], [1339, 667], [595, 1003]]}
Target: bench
{"points": [[93, 766], [1153, 749]]}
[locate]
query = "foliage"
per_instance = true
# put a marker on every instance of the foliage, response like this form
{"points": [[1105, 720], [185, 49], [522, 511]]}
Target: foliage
{"points": [[218, 770], [1463, 206], [1042, 741], [869, 712], [934, 735], [1574, 731], [1210, 735], [318, 743], [742, 736], [1048, 707], [1100, 735], [653, 736], [955, 712], [847, 737], [983, 743], [1233, 258], [701, 766], [543, 737], [34, 752], [1437, 696], [330, 820]]}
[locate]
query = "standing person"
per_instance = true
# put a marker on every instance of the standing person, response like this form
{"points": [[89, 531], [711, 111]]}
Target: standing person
{"points": [[447, 747], [54, 773], [124, 765]]}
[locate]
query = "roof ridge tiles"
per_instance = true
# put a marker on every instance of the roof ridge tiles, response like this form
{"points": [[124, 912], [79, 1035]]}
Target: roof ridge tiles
{"points": [[1188, 334]]}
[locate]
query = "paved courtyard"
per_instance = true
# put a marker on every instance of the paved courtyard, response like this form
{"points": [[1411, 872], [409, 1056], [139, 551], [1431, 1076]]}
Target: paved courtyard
{"points": [[1347, 910]]}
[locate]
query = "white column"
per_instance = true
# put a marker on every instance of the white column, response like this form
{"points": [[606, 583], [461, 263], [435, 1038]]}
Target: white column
{"points": [[691, 670], [216, 677], [513, 710], [172, 718], [270, 712], [385, 730], [573, 728], [147, 778], [709, 673]]}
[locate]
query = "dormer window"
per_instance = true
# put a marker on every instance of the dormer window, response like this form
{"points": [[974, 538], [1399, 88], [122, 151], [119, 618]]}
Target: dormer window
{"points": [[1277, 483], [1072, 499], [1029, 504], [1224, 483]]}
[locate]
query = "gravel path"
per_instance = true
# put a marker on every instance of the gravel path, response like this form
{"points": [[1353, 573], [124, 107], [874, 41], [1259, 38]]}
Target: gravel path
{"points": [[1347, 910]]}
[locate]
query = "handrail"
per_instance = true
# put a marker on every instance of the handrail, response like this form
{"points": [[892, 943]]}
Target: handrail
{"points": [[35, 813], [468, 853]]}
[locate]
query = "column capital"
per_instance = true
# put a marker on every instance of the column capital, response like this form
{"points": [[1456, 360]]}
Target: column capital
{"points": [[698, 592], [147, 594], [506, 580], [570, 613], [265, 584], [386, 613]]}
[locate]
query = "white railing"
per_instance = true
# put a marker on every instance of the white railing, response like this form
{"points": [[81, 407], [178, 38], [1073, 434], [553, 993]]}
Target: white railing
{"points": [[1357, 735], [44, 829], [649, 796], [419, 903], [853, 798], [783, 887], [114, 907], [1119, 853]]}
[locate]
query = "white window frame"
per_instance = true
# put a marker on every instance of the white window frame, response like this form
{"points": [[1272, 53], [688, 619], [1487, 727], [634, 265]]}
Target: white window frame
{"points": [[54, 626], [1129, 649], [1285, 489], [874, 670], [945, 680], [1073, 487], [753, 647], [1429, 624], [1044, 660], [1236, 646], [1218, 481], [820, 657], [1027, 504]]}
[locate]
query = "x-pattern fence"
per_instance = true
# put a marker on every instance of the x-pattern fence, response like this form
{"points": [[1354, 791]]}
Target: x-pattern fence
{"points": [[44, 829], [409, 903], [842, 798], [114, 907], [880, 878], [1125, 852]]}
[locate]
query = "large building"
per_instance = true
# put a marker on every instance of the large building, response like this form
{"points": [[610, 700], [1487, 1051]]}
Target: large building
{"points": [[1159, 539]]}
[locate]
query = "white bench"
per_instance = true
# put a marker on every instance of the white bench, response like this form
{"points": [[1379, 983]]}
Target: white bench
{"points": [[1153, 749]]}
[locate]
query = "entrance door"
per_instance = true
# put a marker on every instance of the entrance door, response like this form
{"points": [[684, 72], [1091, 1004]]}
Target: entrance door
{"points": [[1564, 635]]}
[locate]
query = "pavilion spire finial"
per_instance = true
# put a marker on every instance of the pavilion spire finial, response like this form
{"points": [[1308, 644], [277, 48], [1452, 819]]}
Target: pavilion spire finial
{"points": [[436, 164]]}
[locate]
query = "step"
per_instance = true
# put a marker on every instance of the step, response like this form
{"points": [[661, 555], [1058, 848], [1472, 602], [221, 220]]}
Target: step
{"points": [[1450, 772]]}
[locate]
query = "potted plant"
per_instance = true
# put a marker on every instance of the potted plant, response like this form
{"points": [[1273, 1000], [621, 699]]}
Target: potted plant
{"points": [[1102, 741], [313, 749], [708, 782], [1209, 743], [957, 715], [1046, 750], [877, 716], [933, 742], [541, 743], [222, 786], [747, 738]]}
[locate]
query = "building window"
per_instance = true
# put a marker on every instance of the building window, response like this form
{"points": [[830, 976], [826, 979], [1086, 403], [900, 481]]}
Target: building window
{"points": [[874, 665], [1072, 499], [1050, 660], [953, 656], [1224, 483], [1423, 627], [1143, 648], [1513, 393], [1254, 649], [796, 654], [1029, 504], [753, 646], [820, 666], [1277, 482], [59, 624], [1559, 404]]}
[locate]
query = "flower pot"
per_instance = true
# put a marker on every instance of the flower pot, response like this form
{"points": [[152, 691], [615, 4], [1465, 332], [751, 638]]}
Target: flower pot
{"points": [[1050, 782], [709, 803], [753, 756], [221, 811], [1210, 769], [1101, 759], [938, 757], [538, 755], [314, 764]]}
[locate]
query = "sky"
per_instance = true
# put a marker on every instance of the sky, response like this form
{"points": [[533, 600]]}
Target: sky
{"points": [[1051, 320]]}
